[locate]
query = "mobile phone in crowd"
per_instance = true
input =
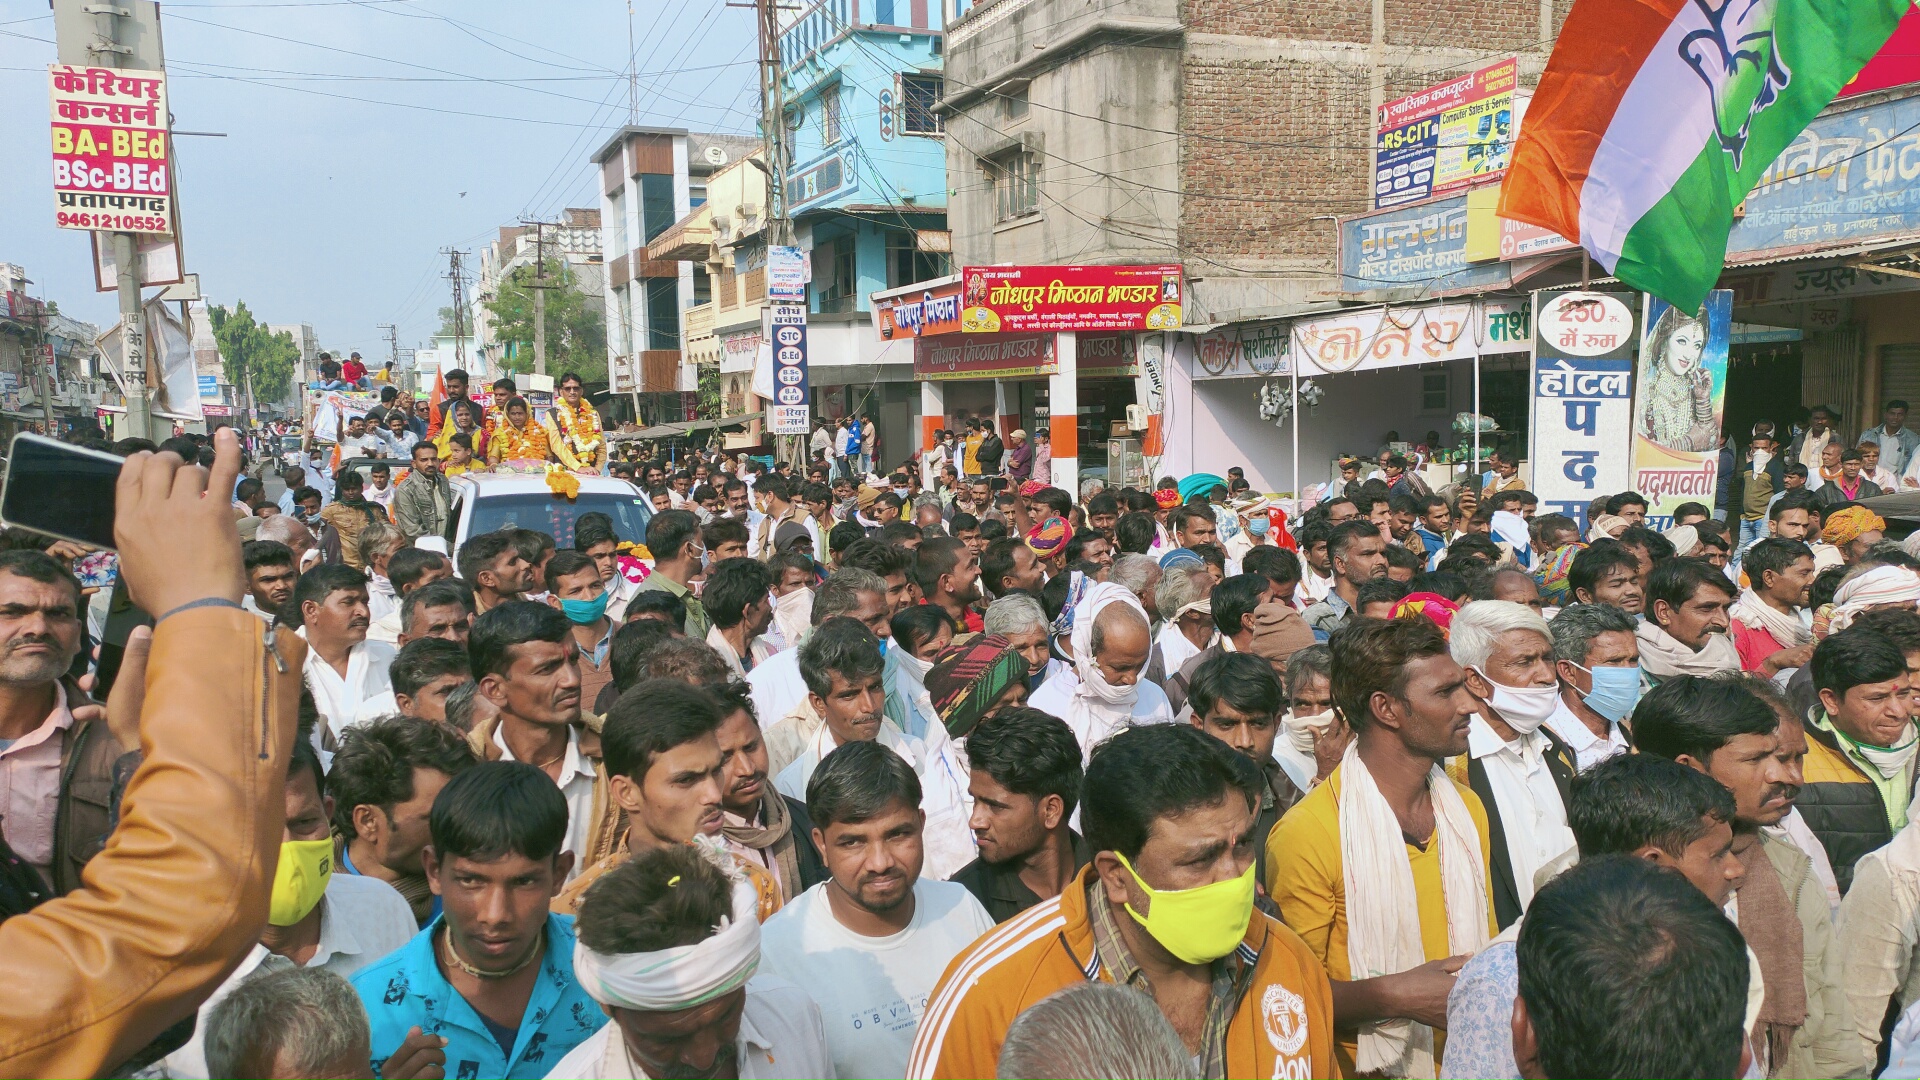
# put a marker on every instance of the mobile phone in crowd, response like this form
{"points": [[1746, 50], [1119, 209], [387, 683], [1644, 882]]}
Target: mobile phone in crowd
{"points": [[60, 490]]}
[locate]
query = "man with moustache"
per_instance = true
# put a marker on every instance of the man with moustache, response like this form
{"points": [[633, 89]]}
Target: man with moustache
{"points": [[761, 825], [665, 770], [1730, 730], [869, 944], [343, 669]]}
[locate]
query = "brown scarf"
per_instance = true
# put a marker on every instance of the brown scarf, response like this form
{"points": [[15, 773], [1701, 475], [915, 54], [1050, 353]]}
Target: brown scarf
{"points": [[774, 838], [1772, 929]]}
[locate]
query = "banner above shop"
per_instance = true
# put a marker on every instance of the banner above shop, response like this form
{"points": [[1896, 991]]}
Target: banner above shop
{"points": [[1446, 136], [1012, 356], [918, 312], [1015, 299], [1851, 177], [1365, 340], [1415, 247]]}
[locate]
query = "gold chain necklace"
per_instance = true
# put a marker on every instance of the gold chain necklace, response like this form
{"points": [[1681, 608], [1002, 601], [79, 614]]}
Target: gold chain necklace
{"points": [[454, 958]]}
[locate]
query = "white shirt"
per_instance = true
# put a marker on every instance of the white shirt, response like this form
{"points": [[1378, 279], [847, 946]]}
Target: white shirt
{"points": [[1794, 830], [780, 1037], [1174, 647], [385, 628], [381, 704], [871, 991], [777, 686], [339, 699], [576, 784], [362, 919], [381, 497], [1150, 706], [1531, 813], [1312, 589], [1588, 749]]}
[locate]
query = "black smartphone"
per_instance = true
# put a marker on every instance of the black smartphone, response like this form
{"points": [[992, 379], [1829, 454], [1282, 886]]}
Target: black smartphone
{"points": [[60, 490]]}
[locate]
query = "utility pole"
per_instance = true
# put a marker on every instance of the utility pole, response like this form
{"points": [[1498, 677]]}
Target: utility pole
{"points": [[773, 113], [458, 277], [43, 359], [125, 35], [541, 283]]}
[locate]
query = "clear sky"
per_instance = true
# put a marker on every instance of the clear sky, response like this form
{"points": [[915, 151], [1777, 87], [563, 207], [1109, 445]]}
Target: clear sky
{"points": [[363, 136]]}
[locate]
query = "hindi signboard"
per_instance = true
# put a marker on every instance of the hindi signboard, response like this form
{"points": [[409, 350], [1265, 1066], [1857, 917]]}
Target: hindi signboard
{"points": [[112, 166], [1442, 138], [1582, 401], [790, 412], [926, 313], [1009, 356], [1026, 299], [1678, 401], [786, 274]]}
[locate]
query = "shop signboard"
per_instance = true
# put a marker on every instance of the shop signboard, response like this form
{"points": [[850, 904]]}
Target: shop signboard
{"points": [[112, 167], [927, 313], [1582, 404], [789, 411], [1520, 240], [1105, 356], [1415, 247], [1442, 138], [1238, 352], [209, 387], [1793, 284], [1378, 338], [1027, 299], [1678, 400], [1009, 356], [1506, 326], [1851, 177], [786, 274]]}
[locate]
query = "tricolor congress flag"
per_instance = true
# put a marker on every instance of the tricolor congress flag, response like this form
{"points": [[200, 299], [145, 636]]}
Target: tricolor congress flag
{"points": [[1655, 118]]}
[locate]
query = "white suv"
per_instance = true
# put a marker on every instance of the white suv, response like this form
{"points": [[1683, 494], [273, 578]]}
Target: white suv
{"points": [[484, 502]]}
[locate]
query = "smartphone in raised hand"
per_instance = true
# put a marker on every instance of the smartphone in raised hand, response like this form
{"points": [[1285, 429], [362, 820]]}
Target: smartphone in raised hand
{"points": [[60, 490]]}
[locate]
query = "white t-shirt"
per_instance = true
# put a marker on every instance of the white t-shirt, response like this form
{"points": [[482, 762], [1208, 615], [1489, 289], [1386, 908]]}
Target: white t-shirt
{"points": [[871, 991]]}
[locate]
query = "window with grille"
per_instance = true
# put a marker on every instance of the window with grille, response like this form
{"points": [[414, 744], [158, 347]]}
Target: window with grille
{"points": [[1433, 391], [1016, 185], [1014, 104], [663, 312], [918, 96], [830, 115]]}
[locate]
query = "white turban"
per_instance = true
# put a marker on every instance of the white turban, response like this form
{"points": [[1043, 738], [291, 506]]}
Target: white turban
{"points": [[1878, 586], [680, 977]]}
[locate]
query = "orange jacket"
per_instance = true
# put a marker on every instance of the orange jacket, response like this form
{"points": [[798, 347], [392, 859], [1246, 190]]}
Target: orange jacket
{"points": [[1283, 1027], [179, 895]]}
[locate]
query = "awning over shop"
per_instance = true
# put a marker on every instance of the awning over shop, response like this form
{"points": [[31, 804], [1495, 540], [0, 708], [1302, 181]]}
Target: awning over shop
{"points": [[667, 431]]}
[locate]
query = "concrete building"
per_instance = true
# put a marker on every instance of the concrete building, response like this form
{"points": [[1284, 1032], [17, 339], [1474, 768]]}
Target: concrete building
{"points": [[866, 187], [27, 331], [308, 343], [574, 240], [651, 178]]}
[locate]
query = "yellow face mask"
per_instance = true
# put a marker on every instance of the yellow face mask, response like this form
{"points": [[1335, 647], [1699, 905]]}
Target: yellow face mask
{"points": [[1197, 925], [300, 880]]}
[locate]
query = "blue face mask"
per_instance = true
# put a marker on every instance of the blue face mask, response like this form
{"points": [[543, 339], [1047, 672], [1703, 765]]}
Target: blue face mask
{"points": [[586, 612], [1258, 526], [1616, 690], [884, 642]]}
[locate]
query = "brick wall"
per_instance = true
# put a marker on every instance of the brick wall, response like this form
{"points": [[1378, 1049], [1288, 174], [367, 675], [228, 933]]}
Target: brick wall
{"points": [[1276, 113]]}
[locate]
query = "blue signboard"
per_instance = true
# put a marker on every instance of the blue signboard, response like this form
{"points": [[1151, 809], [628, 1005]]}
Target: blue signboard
{"points": [[209, 387], [1417, 247], [1849, 177], [790, 413]]}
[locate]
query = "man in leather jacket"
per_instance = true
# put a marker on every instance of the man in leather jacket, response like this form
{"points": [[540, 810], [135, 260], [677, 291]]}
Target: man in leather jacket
{"points": [[179, 893]]}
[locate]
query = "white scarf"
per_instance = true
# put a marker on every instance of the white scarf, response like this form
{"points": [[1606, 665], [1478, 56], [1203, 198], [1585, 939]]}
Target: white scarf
{"points": [[1663, 656], [1098, 708], [1757, 614], [793, 616], [1175, 648], [1383, 908], [681, 977]]}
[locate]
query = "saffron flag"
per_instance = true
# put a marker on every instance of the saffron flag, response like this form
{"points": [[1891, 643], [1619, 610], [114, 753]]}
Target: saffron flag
{"points": [[1655, 118], [434, 397]]}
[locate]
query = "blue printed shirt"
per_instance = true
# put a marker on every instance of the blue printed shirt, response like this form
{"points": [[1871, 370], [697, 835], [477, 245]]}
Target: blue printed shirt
{"points": [[406, 990]]}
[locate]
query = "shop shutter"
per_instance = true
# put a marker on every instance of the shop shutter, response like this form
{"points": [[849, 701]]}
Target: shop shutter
{"points": [[1900, 373], [1830, 372]]}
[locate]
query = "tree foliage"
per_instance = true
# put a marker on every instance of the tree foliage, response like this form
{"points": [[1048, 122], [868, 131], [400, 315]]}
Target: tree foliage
{"points": [[248, 347], [576, 332]]}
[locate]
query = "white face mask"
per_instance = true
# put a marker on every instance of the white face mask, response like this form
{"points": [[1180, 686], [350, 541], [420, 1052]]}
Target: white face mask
{"points": [[1891, 761], [1524, 708], [1303, 729], [1097, 685]]}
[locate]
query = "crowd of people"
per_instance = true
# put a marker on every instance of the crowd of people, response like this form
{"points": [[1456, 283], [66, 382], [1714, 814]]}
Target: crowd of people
{"points": [[950, 772]]}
